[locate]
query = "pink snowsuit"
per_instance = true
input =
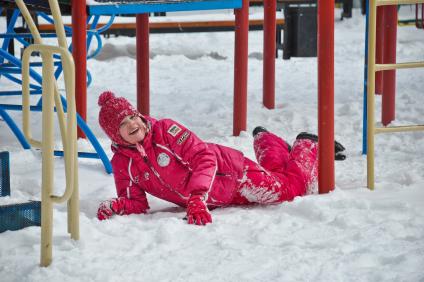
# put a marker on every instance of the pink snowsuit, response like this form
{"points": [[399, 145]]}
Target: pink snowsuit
{"points": [[172, 163]]}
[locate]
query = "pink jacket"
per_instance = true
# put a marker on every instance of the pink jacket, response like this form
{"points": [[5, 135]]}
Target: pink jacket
{"points": [[172, 164]]}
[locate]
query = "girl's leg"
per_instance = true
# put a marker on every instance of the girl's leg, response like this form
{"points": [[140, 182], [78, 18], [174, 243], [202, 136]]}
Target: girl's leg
{"points": [[266, 183], [273, 154], [271, 151], [305, 154], [259, 185]]}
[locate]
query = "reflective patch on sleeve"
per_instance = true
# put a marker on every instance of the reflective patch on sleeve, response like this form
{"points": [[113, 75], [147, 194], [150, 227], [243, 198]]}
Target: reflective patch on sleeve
{"points": [[183, 137], [174, 130]]}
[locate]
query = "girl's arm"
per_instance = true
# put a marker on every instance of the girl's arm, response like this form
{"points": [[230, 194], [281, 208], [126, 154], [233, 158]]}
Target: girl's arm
{"points": [[131, 197]]}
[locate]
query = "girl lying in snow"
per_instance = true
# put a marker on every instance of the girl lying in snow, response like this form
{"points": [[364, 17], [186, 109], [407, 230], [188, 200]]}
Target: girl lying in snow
{"points": [[168, 161]]}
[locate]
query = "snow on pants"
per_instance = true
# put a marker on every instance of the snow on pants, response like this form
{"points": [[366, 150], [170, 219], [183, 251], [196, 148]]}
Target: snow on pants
{"points": [[280, 174]]}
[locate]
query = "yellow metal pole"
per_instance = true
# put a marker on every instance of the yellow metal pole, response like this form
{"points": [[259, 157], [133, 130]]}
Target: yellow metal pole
{"points": [[372, 69], [69, 73], [30, 22], [398, 2], [58, 23], [371, 93], [410, 65], [38, 40], [47, 157], [68, 129], [47, 144], [404, 128], [61, 38], [72, 169]]}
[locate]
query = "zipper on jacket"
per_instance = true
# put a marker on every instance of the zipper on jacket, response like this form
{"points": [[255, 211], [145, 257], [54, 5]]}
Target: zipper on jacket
{"points": [[147, 161]]}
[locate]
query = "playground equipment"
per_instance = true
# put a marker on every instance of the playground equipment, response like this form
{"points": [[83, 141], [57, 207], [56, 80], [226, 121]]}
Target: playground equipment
{"points": [[371, 72], [142, 9], [385, 52], [12, 68], [51, 100]]}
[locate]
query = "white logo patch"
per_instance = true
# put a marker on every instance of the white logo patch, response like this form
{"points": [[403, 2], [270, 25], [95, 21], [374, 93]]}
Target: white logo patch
{"points": [[163, 159], [146, 175], [183, 137], [174, 130]]}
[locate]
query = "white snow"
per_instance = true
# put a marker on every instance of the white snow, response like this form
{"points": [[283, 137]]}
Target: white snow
{"points": [[350, 234]]}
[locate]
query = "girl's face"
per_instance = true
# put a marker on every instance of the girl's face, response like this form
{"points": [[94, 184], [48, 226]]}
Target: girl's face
{"points": [[133, 129]]}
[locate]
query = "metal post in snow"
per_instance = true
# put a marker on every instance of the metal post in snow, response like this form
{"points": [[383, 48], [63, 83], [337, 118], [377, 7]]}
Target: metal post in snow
{"points": [[389, 57], [270, 7], [240, 69], [79, 52], [325, 36], [143, 83]]}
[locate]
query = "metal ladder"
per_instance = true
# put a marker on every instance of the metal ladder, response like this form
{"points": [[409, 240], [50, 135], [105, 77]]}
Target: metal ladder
{"points": [[372, 69], [51, 101]]}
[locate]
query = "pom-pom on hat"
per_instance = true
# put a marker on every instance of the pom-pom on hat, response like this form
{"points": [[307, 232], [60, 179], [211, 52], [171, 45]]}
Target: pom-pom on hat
{"points": [[112, 111]]}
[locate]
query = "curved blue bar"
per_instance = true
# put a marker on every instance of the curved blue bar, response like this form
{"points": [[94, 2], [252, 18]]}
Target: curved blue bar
{"points": [[93, 140], [100, 153], [107, 25]]}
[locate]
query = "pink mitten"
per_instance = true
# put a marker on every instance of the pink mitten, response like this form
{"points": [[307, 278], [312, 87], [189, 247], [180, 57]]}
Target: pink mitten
{"points": [[110, 207], [197, 211]]}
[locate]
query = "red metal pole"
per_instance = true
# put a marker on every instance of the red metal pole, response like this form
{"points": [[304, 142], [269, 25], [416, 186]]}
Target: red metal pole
{"points": [[326, 96], [240, 68], [389, 57], [419, 23], [143, 88], [270, 7], [79, 52], [416, 16], [422, 16], [379, 40]]}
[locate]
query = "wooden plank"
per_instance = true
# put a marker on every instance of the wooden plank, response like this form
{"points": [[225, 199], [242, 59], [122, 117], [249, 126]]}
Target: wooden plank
{"points": [[397, 2], [164, 25]]}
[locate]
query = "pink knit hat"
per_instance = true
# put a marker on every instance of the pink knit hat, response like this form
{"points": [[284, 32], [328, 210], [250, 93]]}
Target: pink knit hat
{"points": [[112, 111]]}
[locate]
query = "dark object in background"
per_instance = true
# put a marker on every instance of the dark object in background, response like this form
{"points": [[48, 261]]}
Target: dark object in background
{"points": [[300, 33], [347, 8]]}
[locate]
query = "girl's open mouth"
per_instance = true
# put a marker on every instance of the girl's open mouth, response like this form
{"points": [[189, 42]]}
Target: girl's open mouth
{"points": [[134, 131]]}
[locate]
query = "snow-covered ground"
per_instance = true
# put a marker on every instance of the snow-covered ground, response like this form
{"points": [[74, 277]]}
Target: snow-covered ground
{"points": [[350, 234]]}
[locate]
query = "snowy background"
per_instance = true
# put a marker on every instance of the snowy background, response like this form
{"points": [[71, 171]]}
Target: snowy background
{"points": [[350, 234]]}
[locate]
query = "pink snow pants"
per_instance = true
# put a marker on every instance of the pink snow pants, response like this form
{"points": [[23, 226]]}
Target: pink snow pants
{"points": [[279, 175]]}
